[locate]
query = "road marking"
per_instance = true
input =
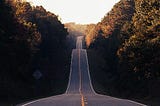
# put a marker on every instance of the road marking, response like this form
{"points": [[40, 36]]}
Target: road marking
{"points": [[70, 72], [106, 95], [79, 70], [80, 76], [38, 100], [82, 100], [82, 97], [86, 103], [90, 81]]}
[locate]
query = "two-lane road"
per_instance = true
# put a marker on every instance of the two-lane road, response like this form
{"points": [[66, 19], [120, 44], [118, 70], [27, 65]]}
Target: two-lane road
{"points": [[80, 91]]}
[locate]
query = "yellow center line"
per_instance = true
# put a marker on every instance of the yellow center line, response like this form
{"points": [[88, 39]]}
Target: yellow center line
{"points": [[80, 76], [82, 100], [80, 80]]}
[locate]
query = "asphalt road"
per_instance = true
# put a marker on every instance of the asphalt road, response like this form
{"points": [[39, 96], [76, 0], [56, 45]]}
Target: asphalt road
{"points": [[80, 91]]}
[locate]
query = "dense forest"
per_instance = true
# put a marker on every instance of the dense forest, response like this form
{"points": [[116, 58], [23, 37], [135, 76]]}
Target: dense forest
{"points": [[34, 57], [124, 50]]}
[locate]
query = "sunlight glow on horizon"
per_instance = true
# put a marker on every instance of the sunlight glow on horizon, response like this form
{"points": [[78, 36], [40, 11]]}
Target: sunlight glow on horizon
{"points": [[78, 11]]}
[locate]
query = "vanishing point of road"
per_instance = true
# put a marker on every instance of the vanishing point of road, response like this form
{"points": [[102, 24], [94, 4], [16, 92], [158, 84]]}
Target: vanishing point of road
{"points": [[80, 91]]}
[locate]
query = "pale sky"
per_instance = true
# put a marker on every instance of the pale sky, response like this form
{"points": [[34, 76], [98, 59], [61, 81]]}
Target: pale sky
{"points": [[79, 11]]}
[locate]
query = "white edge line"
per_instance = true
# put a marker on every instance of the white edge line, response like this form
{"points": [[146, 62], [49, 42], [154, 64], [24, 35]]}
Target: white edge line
{"points": [[25, 104], [69, 80], [106, 95], [79, 70], [136, 102], [30, 102], [89, 74], [90, 85], [56, 95]]}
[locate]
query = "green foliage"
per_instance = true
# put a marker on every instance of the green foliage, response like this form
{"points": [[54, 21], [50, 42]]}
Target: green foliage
{"points": [[115, 19], [141, 52], [146, 20], [90, 34], [131, 47], [31, 39], [16, 51]]}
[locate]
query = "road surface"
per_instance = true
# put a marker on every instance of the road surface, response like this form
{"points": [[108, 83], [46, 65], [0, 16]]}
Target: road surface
{"points": [[80, 91]]}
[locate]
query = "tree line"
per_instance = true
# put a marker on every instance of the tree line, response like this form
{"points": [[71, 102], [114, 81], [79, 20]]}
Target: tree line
{"points": [[127, 44], [31, 40]]}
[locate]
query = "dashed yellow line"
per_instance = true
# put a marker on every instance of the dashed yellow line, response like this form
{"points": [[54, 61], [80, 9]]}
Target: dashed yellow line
{"points": [[82, 100]]}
